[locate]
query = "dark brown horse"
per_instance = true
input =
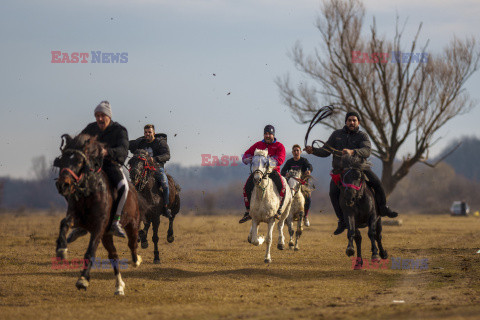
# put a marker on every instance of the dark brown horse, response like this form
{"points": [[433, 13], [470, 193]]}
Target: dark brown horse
{"points": [[90, 196], [142, 169]]}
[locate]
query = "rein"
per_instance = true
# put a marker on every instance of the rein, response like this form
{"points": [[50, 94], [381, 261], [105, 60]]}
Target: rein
{"points": [[146, 168], [349, 185]]}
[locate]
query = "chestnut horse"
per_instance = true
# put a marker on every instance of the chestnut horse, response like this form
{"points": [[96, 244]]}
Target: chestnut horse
{"points": [[141, 168], [90, 197]]}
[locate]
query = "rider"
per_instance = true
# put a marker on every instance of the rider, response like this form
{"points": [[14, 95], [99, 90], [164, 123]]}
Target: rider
{"points": [[350, 140], [157, 147], [302, 164], [276, 151], [115, 138]]}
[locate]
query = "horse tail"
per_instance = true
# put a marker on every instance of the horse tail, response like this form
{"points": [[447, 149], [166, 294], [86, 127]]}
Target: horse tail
{"points": [[177, 186]]}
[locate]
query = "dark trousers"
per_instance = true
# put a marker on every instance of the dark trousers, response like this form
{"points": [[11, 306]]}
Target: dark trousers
{"points": [[308, 203], [249, 185], [373, 182]]}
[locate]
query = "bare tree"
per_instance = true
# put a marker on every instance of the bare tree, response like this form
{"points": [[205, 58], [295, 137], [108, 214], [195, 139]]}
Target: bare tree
{"points": [[404, 97]]}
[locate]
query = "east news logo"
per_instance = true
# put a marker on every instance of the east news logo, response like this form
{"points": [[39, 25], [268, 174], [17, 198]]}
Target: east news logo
{"points": [[92, 57]]}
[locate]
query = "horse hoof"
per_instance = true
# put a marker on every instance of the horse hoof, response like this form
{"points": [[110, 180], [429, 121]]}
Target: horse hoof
{"points": [[62, 253], [144, 244], [291, 245], [268, 260], [296, 249], [357, 266], [119, 293], [280, 246], [170, 239], [384, 254], [82, 283], [350, 252], [139, 262], [375, 258], [156, 261]]}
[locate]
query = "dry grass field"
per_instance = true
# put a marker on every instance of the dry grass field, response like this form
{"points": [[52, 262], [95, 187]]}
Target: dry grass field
{"points": [[211, 272]]}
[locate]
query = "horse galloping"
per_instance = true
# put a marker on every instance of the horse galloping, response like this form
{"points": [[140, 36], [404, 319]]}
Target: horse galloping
{"points": [[141, 168], [265, 203], [90, 197], [298, 185], [359, 208]]}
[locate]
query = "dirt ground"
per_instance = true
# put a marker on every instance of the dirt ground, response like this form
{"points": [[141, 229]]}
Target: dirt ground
{"points": [[210, 271]]}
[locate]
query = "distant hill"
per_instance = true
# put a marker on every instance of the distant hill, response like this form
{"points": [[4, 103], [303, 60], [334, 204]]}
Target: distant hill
{"points": [[466, 159]]}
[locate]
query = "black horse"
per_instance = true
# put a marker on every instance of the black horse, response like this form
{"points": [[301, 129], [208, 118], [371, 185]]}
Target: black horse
{"points": [[359, 208], [141, 169]]}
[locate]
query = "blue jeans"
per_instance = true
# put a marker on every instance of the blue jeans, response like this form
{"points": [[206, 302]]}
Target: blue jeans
{"points": [[161, 178]]}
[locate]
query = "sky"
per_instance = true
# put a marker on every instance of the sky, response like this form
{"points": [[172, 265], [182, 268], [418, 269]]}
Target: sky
{"points": [[202, 71]]}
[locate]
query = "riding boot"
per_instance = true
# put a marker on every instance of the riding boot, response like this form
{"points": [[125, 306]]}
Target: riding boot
{"points": [[385, 211], [279, 211], [75, 234], [245, 218]]}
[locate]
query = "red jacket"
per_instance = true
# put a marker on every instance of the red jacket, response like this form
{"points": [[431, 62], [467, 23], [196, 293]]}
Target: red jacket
{"points": [[276, 150]]}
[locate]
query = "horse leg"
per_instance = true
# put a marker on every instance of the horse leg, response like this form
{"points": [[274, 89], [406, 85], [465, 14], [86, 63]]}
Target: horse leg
{"points": [[371, 235], [268, 239], [61, 251], [132, 233], [142, 234], [107, 241], [299, 231], [170, 236], [291, 232], [281, 237], [350, 235], [358, 243], [378, 237], [155, 238], [83, 281], [253, 237]]}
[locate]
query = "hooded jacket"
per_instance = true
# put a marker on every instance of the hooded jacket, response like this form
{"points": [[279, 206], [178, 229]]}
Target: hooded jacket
{"points": [[158, 148], [357, 141]]}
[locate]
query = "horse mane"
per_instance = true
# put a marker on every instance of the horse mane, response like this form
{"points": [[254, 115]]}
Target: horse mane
{"points": [[259, 152], [353, 162]]}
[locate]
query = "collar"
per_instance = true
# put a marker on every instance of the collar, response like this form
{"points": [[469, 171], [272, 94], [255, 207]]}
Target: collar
{"points": [[274, 141]]}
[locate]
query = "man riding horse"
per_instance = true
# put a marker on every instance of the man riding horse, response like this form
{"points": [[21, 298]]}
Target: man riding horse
{"points": [[302, 164], [350, 140], [157, 147], [115, 138], [276, 151]]}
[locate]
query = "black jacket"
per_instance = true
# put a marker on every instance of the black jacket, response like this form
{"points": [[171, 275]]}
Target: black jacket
{"points": [[115, 137], [357, 141], [159, 148], [301, 164]]}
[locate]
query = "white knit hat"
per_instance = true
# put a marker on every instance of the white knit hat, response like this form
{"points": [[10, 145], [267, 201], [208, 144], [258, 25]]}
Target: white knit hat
{"points": [[105, 108]]}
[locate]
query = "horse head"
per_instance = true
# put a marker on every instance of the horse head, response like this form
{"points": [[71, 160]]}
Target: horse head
{"points": [[80, 155], [294, 180], [261, 165], [139, 165], [353, 178]]}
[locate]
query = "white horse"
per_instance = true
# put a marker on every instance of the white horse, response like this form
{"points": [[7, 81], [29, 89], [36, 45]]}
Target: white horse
{"points": [[265, 202], [297, 211]]}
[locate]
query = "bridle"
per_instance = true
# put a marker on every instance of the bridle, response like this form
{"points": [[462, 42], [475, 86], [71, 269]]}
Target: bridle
{"points": [[70, 171], [263, 174], [350, 185], [142, 182]]}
